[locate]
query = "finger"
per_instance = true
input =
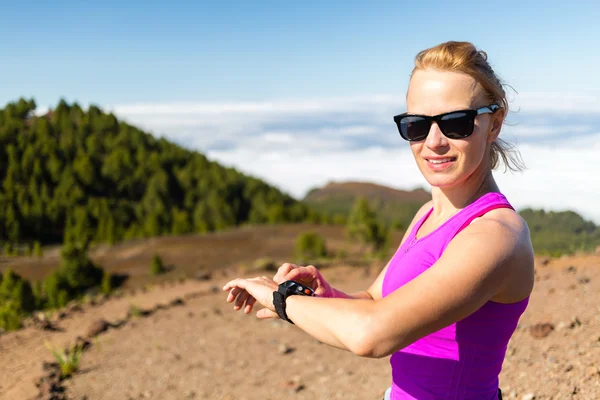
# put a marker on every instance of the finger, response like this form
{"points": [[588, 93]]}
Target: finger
{"points": [[283, 271], [241, 299], [265, 313], [234, 293], [301, 274], [249, 305], [241, 283]]}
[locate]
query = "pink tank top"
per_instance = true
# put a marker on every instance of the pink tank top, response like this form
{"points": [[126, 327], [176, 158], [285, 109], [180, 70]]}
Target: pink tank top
{"points": [[463, 360]]}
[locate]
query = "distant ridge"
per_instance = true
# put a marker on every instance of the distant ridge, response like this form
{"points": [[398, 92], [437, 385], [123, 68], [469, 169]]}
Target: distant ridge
{"points": [[392, 205], [369, 190]]}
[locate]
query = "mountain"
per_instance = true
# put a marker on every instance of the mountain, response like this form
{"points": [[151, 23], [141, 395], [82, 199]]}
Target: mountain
{"points": [[85, 175], [392, 205]]}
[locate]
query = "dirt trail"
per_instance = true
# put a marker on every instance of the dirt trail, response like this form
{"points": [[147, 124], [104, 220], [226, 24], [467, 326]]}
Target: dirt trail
{"points": [[203, 350], [23, 351]]}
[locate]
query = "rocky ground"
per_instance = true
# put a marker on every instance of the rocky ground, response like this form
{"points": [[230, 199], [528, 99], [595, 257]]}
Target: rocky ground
{"points": [[193, 346]]}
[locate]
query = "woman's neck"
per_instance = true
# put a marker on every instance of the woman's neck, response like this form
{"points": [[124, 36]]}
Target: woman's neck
{"points": [[447, 201]]}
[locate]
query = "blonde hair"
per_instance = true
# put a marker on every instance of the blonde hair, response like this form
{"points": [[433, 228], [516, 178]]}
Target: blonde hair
{"points": [[464, 57]]}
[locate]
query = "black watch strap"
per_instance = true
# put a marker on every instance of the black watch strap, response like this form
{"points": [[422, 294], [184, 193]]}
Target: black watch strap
{"points": [[279, 303], [286, 289]]}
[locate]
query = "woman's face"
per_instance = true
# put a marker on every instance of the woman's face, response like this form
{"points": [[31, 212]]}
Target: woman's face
{"points": [[449, 162]]}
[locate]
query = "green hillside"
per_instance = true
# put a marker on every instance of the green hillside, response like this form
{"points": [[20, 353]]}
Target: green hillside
{"points": [[564, 232], [85, 174]]}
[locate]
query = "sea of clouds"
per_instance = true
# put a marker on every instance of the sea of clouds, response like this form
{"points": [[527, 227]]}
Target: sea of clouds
{"points": [[300, 144]]}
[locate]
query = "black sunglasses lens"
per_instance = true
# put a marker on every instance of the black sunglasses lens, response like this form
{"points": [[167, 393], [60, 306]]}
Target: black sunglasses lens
{"points": [[414, 127], [457, 125]]}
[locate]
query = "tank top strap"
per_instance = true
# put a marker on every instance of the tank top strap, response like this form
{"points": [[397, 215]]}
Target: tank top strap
{"points": [[486, 203]]}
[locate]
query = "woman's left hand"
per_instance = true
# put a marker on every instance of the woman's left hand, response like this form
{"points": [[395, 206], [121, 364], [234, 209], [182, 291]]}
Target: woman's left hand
{"points": [[245, 292]]}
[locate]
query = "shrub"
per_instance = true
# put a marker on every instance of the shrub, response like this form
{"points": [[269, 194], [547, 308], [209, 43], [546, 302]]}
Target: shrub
{"points": [[56, 289], [363, 225], [10, 317], [67, 359], [37, 249], [8, 249], [106, 285], [78, 270], [135, 311], [157, 266], [23, 296], [342, 254], [18, 291], [339, 219], [310, 246], [264, 264]]}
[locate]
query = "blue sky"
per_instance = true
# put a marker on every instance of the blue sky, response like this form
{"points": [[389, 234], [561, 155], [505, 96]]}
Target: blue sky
{"points": [[107, 52], [302, 93]]}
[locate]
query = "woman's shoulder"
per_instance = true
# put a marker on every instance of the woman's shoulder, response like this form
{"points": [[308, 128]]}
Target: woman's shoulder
{"points": [[503, 219], [508, 226]]}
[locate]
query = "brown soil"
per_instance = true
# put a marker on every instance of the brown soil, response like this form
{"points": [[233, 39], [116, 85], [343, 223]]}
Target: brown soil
{"points": [[204, 350], [186, 255]]}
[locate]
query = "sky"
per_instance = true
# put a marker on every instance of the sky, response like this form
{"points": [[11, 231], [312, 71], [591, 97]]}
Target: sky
{"points": [[302, 94]]}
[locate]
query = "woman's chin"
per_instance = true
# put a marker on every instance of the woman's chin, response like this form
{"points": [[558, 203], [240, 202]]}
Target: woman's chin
{"points": [[442, 180]]}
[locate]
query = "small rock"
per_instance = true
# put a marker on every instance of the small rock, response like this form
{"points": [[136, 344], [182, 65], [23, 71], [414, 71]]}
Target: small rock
{"points": [[203, 275], [561, 325], [575, 323], [575, 390], [285, 349], [569, 368], [528, 396], [541, 330], [59, 315], [176, 302], [96, 327], [572, 269], [190, 394], [293, 385], [583, 280], [82, 343], [118, 323], [544, 261], [592, 372]]}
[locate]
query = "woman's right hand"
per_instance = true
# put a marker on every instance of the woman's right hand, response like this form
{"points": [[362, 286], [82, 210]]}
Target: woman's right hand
{"points": [[309, 276]]}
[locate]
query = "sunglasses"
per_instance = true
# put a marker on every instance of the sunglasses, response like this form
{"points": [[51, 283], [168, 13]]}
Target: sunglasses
{"points": [[454, 125]]}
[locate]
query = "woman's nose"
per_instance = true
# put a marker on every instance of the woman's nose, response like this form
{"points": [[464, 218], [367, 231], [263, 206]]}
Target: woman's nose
{"points": [[435, 138]]}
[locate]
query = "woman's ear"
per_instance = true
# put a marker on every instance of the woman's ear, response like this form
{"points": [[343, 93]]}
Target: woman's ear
{"points": [[495, 125]]}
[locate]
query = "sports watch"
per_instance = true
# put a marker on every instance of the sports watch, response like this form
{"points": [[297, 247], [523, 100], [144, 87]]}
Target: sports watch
{"points": [[286, 289]]}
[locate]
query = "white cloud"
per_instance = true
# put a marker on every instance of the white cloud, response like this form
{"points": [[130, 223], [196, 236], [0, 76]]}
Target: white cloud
{"points": [[300, 144], [576, 103]]}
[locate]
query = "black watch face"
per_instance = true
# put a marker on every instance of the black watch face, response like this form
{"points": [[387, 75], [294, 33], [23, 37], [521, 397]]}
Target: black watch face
{"points": [[298, 288]]}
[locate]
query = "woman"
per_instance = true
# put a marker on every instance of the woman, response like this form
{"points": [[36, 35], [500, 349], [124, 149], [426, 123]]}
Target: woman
{"points": [[448, 301]]}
